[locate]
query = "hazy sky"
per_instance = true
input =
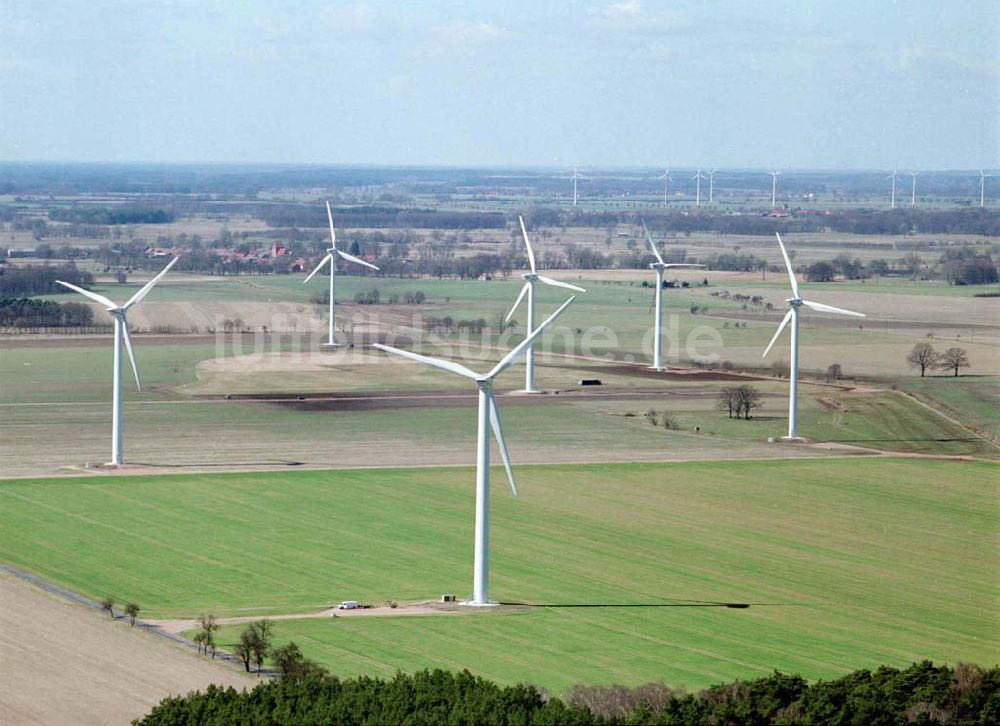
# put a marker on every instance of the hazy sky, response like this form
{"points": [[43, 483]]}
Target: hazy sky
{"points": [[761, 83]]}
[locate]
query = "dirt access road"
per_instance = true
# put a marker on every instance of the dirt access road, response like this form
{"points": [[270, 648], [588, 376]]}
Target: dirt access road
{"points": [[62, 663]]}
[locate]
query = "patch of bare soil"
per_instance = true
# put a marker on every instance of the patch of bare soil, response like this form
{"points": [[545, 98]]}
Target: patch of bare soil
{"points": [[61, 663]]}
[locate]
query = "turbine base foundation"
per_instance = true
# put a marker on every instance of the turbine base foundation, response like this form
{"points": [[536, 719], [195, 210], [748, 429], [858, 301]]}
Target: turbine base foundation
{"points": [[471, 604], [789, 440]]}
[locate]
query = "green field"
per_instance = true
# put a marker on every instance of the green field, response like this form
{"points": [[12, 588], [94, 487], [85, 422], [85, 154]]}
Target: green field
{"points": [[845, 563]]}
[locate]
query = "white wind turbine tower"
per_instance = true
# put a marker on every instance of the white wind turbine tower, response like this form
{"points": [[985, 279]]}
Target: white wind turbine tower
{"points": [[665, 177], [330, 257], [794, 303], [576, 175], [893, 176], [530, 278], [913, 189], [698, 177], [659, 266], [774, 188], [122, 338], [982, 187], [488, 417], [711, 185]]}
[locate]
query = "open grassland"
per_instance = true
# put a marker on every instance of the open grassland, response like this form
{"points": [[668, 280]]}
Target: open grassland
{"points": [[417, 415], [613, 318], [421, 417], [845, 563], [974, 400]]}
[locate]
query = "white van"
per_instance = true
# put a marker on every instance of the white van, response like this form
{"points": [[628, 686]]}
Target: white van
{"points": [[348, 605]]}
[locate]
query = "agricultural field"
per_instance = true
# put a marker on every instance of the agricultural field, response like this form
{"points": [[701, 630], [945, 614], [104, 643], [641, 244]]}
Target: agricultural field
{"points": [[626, 565], [655, 538]]}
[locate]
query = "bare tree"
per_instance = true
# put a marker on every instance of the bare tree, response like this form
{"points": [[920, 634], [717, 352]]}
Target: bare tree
{"points": [[132, 610], [244, 650], [260, 641], [834, 372], [780, 368], [108, 604], [922, 356], [747, 398], [953, 359], [727, 401]]}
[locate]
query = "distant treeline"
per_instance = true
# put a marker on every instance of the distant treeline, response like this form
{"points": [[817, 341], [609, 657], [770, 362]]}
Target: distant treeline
{"points": [[376, 217], [40, 279], [923, 694], [27, 313], [980, 222], [110, 215]]}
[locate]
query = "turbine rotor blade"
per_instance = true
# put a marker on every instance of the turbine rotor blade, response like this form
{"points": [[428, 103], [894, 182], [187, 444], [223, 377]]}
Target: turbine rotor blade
{"points": [[445, 365], [788, 266], [520, 297], [501, 444], [509, 359], [559, 283], [92, 295], [333, 234], [784, 322], [128, 347], [356, 260], [531, 254], [682, 264], [149, 285], [649, 238], [830, 309], [318, 268]]}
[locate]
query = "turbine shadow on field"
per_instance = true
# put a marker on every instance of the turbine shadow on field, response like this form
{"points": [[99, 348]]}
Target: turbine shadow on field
{"points": [[677, 604]]}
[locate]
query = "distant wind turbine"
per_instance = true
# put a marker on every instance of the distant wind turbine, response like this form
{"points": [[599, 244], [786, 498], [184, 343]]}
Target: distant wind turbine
{"points": [[774, 188], [122, 337], [913, 189], [982, 187], [711, 185], [698, 177], [893, 177], [529, 289], [659, 266], [488, 417], [794, 303], [576, 176], [332, 259], [665, 177]]}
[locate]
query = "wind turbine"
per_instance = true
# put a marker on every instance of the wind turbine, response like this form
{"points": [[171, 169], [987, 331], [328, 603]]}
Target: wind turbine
{"points": [[698, 176], [576, 175], [488, 418], [913, 189], [122, 337], [330, 252], [774, 188], [711, 185], [893, 177], [982, 187], [794, 303], [665, 176], [530, 278], [659, 266]]}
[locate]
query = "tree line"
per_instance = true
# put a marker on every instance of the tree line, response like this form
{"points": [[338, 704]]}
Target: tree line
{"points": [[29, 313], [921, 693], [40, 279]]}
